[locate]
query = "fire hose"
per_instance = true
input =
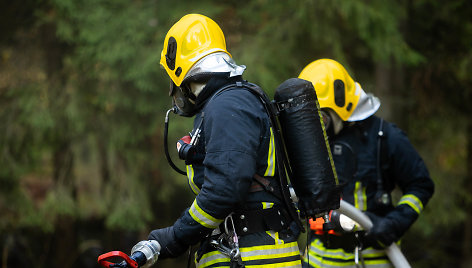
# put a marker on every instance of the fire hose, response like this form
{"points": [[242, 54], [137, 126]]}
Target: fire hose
{"points": [[393, 251]]}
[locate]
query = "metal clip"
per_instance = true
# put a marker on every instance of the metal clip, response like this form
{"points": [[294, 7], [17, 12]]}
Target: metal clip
{"points": [[233, 238], [357, 253]]}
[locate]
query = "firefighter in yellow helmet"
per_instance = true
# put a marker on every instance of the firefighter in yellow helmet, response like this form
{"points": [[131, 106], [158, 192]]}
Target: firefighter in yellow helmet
{"points": [[234, 218], [372, 157]]}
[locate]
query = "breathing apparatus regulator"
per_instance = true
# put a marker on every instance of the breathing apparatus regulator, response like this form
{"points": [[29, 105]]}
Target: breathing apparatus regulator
{"points": [[185, 146]]}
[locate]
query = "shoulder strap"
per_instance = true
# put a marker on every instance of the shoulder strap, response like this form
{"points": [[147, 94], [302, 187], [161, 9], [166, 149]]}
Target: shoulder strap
{"points": [[283, 166], [380, 136], [382, 159]]}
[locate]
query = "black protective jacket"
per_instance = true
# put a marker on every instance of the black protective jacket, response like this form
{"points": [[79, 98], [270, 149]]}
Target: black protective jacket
{"points": [[368, 162], [236, 142]]}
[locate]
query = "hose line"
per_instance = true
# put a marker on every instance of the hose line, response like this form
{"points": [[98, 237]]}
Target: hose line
{"points": [[393, 251]]}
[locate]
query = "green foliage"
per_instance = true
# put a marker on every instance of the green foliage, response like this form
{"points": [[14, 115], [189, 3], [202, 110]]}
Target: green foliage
{"points": [[82, 98], [286, 36]]}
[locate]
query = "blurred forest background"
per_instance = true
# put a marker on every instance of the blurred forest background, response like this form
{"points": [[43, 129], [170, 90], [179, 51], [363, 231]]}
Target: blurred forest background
{"points": [[83, 100]]}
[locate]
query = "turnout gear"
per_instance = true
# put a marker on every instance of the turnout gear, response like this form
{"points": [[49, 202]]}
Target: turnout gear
{"points": [[355, 158], [372, 157], [235, 151], [237, 220]]}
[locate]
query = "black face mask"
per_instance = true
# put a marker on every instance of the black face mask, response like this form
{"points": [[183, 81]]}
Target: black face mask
{"points": [[183, 99]]}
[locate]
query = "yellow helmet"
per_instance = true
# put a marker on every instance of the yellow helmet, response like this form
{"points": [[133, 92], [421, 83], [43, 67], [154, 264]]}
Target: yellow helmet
{"points": [[334, 87], [193, 37]]}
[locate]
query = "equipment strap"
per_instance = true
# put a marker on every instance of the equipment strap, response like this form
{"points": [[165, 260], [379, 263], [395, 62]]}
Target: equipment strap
{"points": [[283, 166], [347, 241], [292, 102], [261, 220]]}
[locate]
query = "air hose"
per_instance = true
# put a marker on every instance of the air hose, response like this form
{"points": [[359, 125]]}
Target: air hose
{"points": [[166, 147], [393, 251]]}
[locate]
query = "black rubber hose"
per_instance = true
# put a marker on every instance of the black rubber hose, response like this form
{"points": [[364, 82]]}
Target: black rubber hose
{"points": [[166, 147]]}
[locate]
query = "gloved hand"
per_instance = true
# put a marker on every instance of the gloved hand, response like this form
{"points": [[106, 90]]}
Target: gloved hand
{"points": [[170, 246], [182, 141], [185, 150], [382, 233], [389, 229]]}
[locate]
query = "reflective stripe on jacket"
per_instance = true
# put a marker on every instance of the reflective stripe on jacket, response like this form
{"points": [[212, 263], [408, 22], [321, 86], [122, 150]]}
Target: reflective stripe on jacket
{"points": [[320, 256], [259, 250]]}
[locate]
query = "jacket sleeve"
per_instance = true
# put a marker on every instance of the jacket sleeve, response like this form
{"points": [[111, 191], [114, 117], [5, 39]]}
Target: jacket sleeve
{"points": [[411, 175], [232, 132]]}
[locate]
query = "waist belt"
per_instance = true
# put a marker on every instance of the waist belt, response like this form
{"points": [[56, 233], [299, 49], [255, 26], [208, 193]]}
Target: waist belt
{"points": [[348, 241], [261, 220]]}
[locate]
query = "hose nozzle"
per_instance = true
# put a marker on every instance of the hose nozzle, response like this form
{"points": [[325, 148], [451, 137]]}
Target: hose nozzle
{"points": [[150, 249]]}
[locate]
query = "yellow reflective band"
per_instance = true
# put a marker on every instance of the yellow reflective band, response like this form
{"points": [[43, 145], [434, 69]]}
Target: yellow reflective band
{"points": [[294, 264], [412, 201], [270, 251], [340, 258], [317, 247], [319, 261], [266, 252], [327, 143], [275, 236], [191, 183], [270, 171], [211, 258], [202, 217], [360, 197], [266, 205]]}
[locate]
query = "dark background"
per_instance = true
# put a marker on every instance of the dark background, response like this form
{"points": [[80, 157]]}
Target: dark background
{"points": [[82, 105]]}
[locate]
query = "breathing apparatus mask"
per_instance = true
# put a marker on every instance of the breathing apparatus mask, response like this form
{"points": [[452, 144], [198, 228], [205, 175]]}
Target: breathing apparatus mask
{"points": [[183, 104], [333, 123], [183, 100]]}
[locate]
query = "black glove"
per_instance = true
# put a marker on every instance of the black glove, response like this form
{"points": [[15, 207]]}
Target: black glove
{"points": [[389, 229], [382, 233], [170, 246]]}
